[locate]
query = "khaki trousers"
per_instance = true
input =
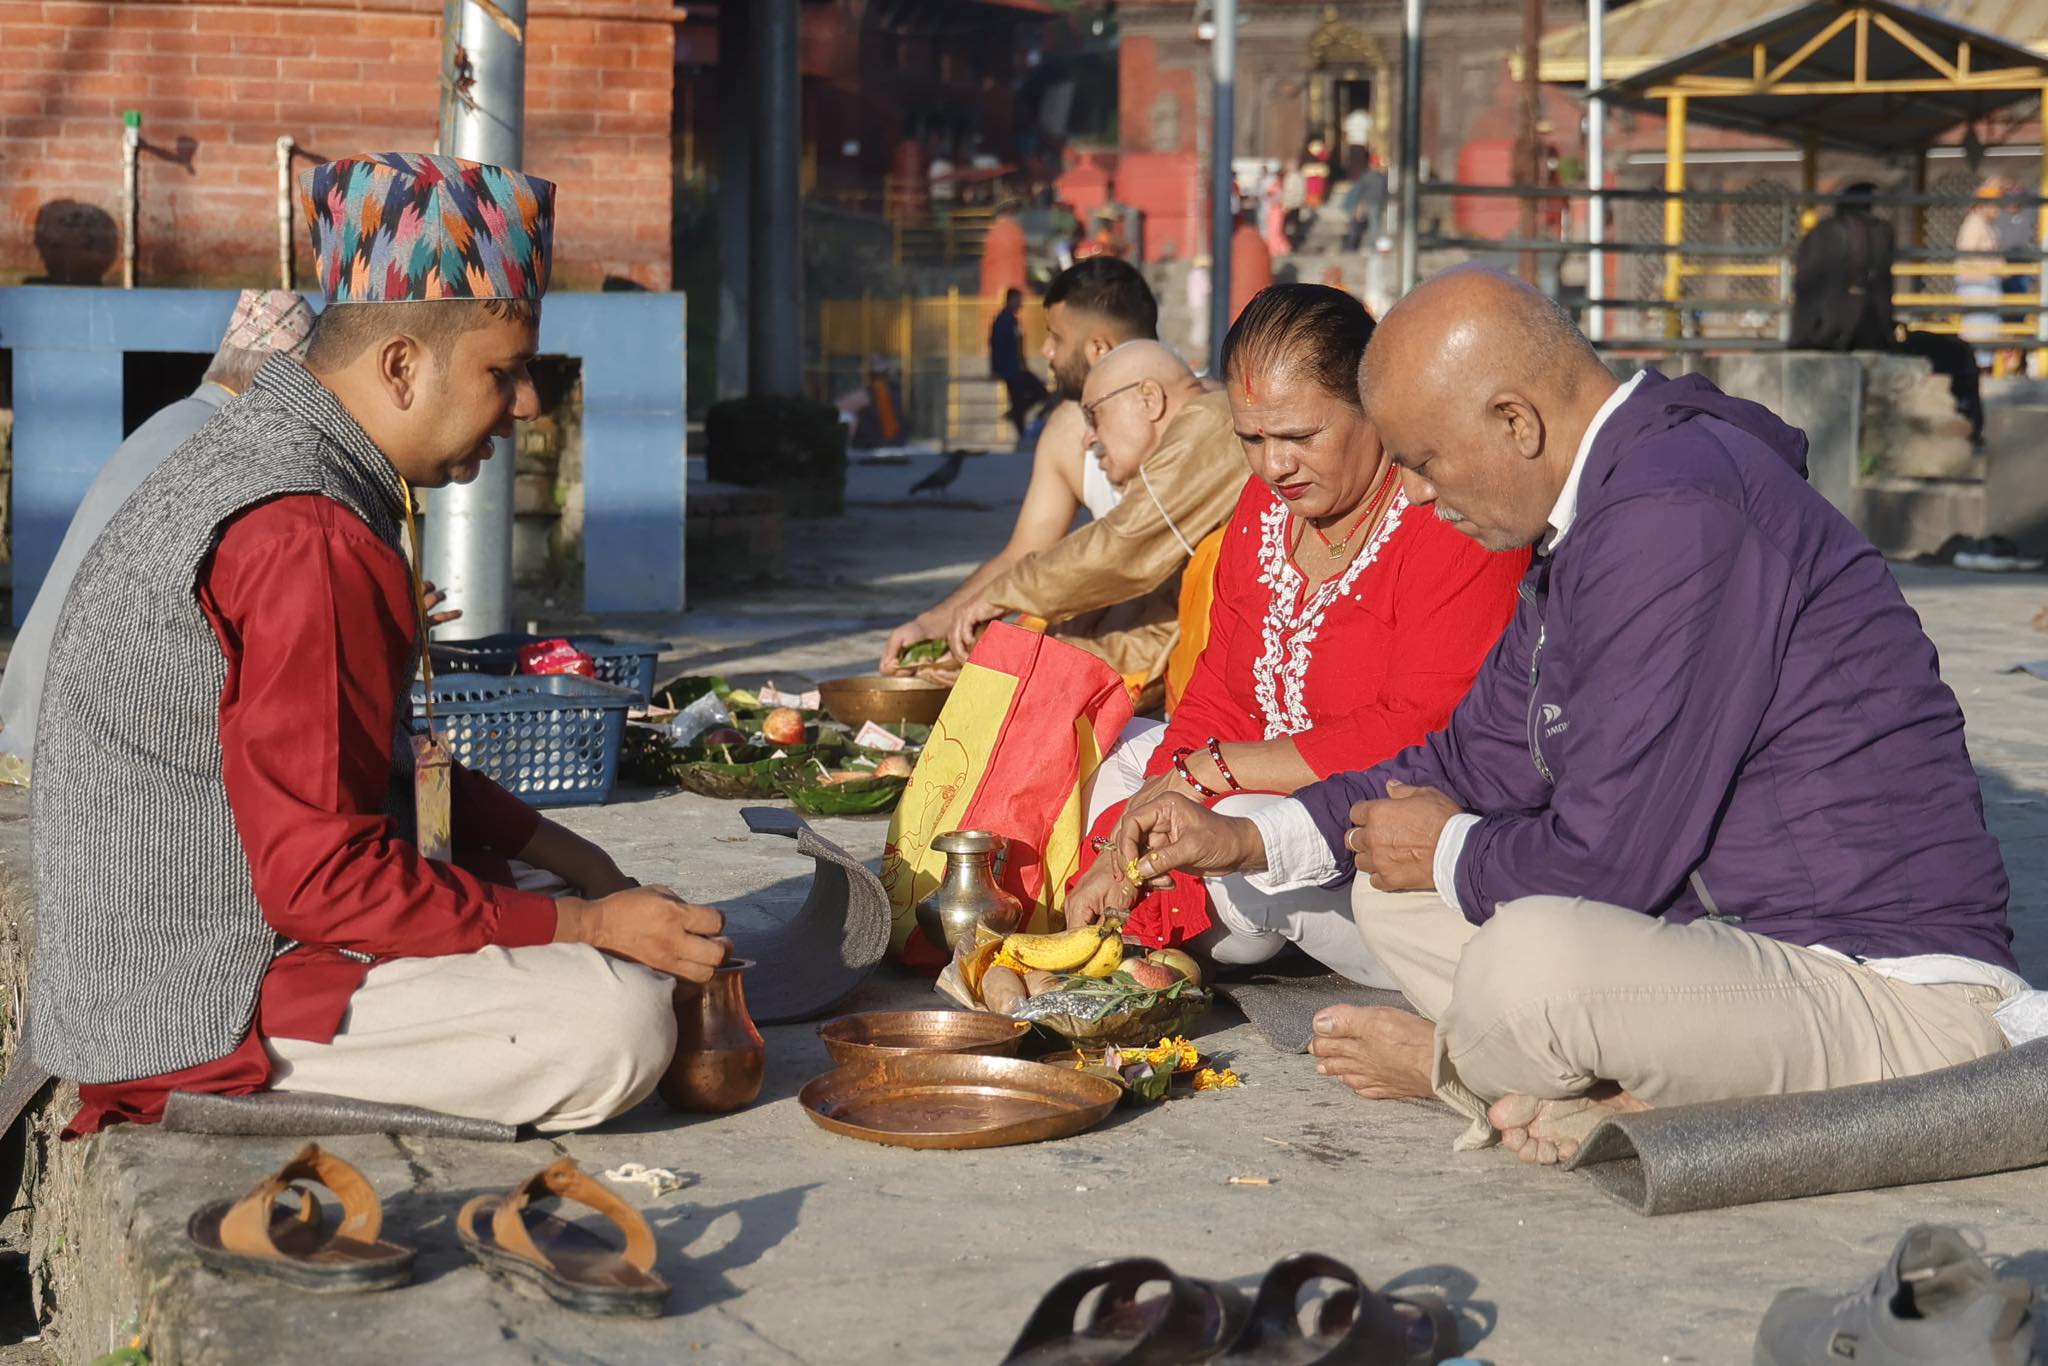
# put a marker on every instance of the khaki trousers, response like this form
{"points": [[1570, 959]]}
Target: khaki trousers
{"points": [[558, 1036], [1555, 993]]}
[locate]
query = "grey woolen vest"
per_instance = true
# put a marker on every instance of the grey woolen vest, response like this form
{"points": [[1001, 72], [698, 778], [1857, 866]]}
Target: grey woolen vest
{"points": [[150, 945]]}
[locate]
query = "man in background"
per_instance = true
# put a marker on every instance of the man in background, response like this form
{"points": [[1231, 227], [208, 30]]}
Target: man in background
{"points": [[265, 321], [1006, 363]]}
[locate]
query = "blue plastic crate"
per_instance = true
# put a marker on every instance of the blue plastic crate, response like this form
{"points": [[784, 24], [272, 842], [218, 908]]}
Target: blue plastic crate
{"points": [[627, 663], [552, 738]]}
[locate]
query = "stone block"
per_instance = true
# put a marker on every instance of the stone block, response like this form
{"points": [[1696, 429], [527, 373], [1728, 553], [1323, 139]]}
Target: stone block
{"points": [[2016, 475], [1910, 426]]}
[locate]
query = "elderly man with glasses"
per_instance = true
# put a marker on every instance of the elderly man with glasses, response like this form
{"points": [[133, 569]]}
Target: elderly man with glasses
{"points": [[1169, 447]]}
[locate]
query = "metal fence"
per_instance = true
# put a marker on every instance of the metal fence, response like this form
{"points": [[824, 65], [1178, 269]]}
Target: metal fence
{"points": [[1726, 278]]}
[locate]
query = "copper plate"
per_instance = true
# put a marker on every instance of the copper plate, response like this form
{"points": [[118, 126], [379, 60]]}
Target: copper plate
{"points": [[883, 699], [894, 1033], [957, 1100]]}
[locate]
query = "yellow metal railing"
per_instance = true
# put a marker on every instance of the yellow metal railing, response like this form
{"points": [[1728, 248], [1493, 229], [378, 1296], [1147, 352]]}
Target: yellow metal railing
{"points": [[926, 341]]}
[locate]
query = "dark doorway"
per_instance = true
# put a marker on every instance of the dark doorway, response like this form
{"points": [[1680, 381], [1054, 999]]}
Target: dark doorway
{"points": [[153, 380]]}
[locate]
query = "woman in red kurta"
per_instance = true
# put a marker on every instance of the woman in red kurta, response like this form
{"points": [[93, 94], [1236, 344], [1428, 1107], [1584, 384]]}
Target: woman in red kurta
{"points": [[1346, 626]]}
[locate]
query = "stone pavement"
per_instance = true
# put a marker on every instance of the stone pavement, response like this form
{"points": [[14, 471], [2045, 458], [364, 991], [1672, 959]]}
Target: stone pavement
{"points": [[794, 1245]]}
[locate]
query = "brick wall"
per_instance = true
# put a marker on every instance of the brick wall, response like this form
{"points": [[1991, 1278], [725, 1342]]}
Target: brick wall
{"points": [[217, 84]]}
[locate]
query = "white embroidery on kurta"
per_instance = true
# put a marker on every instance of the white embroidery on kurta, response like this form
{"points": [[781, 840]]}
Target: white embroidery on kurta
{"points": [[1280, 674]]}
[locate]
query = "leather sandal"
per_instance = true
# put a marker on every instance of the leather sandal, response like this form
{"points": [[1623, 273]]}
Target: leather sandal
{"points": [[253, 1235], [1192, 1322], [1354, 1326], [571, 1265]]}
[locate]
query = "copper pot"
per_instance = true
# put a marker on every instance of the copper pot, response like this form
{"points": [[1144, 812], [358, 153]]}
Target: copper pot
{"points": [[719, 1055]]}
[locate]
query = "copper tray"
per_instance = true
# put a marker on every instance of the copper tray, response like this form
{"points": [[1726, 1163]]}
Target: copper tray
{"points": [[957, 1100], [894, 1033], [883, 699]]}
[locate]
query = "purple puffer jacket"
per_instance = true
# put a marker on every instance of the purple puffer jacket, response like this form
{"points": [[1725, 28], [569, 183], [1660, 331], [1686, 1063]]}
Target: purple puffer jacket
{"points": [[1714, 700]]}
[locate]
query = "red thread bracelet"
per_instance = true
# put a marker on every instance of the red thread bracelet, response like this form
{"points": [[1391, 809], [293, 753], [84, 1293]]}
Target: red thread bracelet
{"points": [[1180, 766], [1216, 753]]}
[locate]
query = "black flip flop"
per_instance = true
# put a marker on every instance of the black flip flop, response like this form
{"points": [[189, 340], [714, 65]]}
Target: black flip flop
{"points": [[252, 1235], [570, 1265], [1193, 1322], [1354, 1325]]}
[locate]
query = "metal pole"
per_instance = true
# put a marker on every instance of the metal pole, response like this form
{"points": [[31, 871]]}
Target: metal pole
{"points": [[1222, 182], [468, 536], [1411, 136], [284, 211], [775, 340], [1596, 168], [131, 211], [1528, 151]]}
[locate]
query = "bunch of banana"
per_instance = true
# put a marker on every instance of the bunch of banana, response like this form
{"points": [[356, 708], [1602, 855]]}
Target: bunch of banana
{"points": [[1092, 951]]}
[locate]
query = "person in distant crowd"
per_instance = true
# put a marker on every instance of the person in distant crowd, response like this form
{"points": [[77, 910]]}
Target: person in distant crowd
{"points": [[1842, 278], [1108, 238], [1365, 205], [1113, 586], [1978, 278], [229, 891], [1315, 175], [1273, 212], [1006, 362], [1090, 310], [1705, 827], [265, 321], [1294, 205]]}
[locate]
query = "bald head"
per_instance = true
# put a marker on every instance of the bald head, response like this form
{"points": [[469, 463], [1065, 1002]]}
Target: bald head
{"points": [[1137, 360], [1481, 387], [1132, 395]]}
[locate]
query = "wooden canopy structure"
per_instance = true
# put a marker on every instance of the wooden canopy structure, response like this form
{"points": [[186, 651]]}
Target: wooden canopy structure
{"points": [[1869, 76]]}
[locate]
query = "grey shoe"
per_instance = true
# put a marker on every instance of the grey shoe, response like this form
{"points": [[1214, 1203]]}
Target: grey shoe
{"points": [[1936, 1303]]}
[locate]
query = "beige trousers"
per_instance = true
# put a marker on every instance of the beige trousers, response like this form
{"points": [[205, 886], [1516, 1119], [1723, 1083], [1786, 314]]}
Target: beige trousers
{"points": [[1554, 993], [558, 1036]]}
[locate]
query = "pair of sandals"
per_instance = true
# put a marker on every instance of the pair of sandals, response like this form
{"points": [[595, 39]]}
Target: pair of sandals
{"points": [[569, 1264], [1208, 1321]]}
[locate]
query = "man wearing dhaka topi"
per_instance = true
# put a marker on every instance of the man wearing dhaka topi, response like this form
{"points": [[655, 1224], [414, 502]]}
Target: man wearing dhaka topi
{"points": [[229, 893], [1704, 827]]}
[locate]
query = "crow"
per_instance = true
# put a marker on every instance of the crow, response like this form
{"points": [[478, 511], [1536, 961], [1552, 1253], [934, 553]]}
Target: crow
{"points": [[941, 479]]}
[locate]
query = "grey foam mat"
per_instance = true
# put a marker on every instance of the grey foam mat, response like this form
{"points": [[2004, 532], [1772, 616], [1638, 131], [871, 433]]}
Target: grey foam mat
{"points": [[1973, 1119], [1282, 1006], [311, 1114], [808, 964]]}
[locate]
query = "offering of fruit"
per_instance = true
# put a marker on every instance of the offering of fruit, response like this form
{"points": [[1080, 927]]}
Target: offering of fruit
{"points": [[1179, 962], [1150, 975], [783, 726], [895, 766], [722, 735], [1067, 951]]}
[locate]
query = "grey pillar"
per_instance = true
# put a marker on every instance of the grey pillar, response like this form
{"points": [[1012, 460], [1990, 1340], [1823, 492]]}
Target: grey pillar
{"points": [[735, 194], [1596, 168], [775, 344], [1411, 136], [1223, 209], [468, 533]]}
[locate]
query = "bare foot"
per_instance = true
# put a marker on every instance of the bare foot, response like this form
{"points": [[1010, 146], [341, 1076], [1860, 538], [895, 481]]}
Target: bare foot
{"points": [[1549, 1132], [1382, 1054]]}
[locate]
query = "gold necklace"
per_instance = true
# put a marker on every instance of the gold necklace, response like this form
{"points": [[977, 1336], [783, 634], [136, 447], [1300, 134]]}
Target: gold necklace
{"points": [[1371, 514]]}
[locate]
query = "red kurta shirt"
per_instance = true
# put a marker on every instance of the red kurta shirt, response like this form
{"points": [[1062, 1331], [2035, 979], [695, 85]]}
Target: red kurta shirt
{"points": [[316, 618], [1355, 671]]}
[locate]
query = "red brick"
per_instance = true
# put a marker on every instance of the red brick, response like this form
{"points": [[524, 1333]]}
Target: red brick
{"points": [[275, 45], [551, 30], [240, 67], [69, 14], [311, 69], [396, 26], [89, 109], [21, 37], [655, 56], [239, 21], [32, 127]]}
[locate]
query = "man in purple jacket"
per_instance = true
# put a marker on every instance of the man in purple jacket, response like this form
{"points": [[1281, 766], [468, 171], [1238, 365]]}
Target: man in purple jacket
{"points": [[1705, 826]]}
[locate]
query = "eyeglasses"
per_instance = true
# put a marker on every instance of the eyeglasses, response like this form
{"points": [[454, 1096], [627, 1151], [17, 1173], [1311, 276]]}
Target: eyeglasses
{"points": [[1089, 410]]}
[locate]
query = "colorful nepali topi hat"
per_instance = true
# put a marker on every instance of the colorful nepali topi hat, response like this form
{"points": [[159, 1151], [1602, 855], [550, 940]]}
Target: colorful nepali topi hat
{"points": [[395, 227], [267, 320]]}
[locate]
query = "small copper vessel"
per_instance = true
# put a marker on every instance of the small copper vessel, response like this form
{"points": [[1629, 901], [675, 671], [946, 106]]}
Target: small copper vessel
{"points": [[968, 894], [719, 1054]]}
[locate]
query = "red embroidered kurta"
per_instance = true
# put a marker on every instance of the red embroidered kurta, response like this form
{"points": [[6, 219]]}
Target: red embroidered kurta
{"points": [[1355, 671], [316, 618]]}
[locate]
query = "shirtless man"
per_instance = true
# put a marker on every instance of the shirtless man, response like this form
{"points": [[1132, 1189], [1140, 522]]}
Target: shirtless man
{"points": [[1090, 310]]}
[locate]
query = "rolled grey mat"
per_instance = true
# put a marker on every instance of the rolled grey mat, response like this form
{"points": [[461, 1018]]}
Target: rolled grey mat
{"points": [[1969, 1120], [24, 1085], [310, 1114], [811, 962], [1283, 1008]]}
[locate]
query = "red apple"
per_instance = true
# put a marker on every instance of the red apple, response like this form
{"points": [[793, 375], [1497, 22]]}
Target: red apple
{"points": [[783, 727], [722, 735], [1151, 976], [895, 766], [1178, 962]]}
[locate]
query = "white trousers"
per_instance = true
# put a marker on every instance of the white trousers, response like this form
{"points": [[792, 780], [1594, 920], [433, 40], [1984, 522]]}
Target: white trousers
{"points": [[1259, 924], [558, 1036]]}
